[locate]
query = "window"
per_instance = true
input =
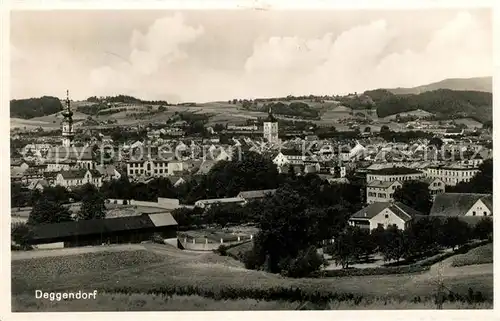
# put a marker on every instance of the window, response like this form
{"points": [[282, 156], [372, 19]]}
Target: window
{"points": [[380, 225], [386, 215], [474, 213], [485, 213]]}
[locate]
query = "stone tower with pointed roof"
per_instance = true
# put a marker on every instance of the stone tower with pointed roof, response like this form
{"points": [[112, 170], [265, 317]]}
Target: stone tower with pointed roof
{"points": [[67, 124], [271, 128]]}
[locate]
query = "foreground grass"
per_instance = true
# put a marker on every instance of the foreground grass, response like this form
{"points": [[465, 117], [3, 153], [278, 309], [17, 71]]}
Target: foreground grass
{"points": [[214, 278], [145, 302], [479, 255]]}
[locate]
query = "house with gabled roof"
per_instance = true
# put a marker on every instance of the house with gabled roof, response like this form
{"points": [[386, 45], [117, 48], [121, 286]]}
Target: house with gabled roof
{"points": [[79, 177], [381, 191], [384, 214], [462, 204]]}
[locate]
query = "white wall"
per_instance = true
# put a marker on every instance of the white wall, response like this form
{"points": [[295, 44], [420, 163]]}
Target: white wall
{"points": [[391, 219], [479, 208]]}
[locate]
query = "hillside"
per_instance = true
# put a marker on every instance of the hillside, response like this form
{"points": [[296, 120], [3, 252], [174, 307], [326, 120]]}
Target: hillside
{"points": [[443, 103], [461, 84], [34, 107]]}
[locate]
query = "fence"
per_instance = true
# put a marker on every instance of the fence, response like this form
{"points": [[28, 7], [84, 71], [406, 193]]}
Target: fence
{"points": [[205, 244]]}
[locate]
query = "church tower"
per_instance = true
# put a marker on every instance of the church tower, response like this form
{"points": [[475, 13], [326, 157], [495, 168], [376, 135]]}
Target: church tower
{"points": [[271, 128], [67, 124]]}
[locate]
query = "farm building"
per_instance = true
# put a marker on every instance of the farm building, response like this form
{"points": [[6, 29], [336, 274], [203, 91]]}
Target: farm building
{"points": [[384, 214], [129, 229], [462, 204]]}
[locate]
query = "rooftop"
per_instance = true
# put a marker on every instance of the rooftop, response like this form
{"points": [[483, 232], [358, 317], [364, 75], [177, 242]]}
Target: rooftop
{"points": [[457, 204], [395, 171]]}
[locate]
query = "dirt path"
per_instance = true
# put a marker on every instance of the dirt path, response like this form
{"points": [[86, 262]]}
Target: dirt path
{"points": [[23, 255]]}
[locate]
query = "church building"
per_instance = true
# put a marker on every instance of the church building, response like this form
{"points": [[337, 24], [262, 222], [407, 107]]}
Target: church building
{"points": [[271, 128]]}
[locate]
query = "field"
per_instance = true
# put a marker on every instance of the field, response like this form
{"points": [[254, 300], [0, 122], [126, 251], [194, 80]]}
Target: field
{"points": [[479, 255], [163, 269], [219, 112]]}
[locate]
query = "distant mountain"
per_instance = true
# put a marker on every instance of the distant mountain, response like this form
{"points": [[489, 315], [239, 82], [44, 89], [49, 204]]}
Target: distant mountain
{"points": [[34, 107], [464, 84]]}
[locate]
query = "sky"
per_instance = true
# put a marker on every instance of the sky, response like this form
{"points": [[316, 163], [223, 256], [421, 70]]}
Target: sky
{"points": [[200, 56]]}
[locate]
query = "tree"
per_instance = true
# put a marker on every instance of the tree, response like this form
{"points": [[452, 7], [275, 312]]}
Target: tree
{"points": [[162, 108], [484, 228], [455, 233], [436, 141], [394, 245], [281, 236], [47, 211], [384, 129], [481, 183], [423, 235], [368, 129], [416, 195], [21, 234], [350, 245], [92, 204]]}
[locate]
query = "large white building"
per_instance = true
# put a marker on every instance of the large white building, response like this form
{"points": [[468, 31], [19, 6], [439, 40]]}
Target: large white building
{"points": [[393, 174], [271, 129], [452, 175]]}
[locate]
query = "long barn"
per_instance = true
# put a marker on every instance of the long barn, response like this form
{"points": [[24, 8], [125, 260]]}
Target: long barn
{"points": [[129, 229]]}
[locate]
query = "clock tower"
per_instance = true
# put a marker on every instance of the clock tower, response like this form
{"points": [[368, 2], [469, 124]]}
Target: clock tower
{"points": [[271, 129], [67, 124]]}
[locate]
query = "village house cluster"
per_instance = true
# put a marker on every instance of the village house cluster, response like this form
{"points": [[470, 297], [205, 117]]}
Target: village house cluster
{"points": [[384, 166]]}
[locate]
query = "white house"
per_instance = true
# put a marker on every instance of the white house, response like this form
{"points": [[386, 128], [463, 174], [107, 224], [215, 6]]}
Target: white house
{"points": [[80, 177], [381, 191], [384, 214]]}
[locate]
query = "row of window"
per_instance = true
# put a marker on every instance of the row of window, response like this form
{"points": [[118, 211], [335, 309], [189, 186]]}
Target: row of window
{"points": [[452, 173], [484, 213], [393, 179], [379, 195], [157, 164], [142, 171]]}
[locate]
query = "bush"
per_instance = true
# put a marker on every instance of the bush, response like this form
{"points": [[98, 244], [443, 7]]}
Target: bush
{"points": [[21, 234], [306, 262], [125, 202], [221, 250], [374, 271]]}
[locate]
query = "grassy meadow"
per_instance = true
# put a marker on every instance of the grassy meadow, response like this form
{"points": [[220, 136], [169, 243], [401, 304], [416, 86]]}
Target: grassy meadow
{"points": [[160, 270]]}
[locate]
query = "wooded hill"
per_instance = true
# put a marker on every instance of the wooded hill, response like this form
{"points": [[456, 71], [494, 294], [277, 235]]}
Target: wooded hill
{"points": [[34, 107]]}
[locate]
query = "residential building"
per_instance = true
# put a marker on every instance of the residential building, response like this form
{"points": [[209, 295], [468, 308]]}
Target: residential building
{"points": [[436, 186], [74, 178], [69, 157], [381, 191], [108, 172], [384, 214], [394, 174], [451, 175], [462, 204]]}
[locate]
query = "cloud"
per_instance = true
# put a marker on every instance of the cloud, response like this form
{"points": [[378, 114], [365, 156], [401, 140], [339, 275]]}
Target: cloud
{"points": [[357, 60], [172, 59], [152, 54]]}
